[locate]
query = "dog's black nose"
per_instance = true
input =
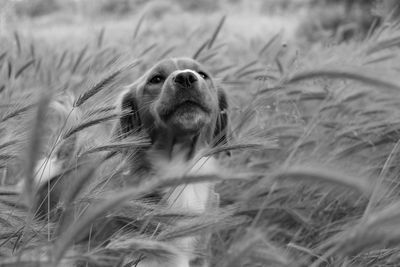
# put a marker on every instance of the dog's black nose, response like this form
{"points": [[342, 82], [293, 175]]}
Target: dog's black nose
{"points": [[185, 79]]}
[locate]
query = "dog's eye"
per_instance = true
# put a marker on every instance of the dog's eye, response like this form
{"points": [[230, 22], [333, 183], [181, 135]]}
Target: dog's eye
{"points": [[156, 79], [203, 75]]}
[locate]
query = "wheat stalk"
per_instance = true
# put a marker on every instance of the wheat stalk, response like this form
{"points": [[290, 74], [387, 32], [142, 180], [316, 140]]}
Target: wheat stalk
{"points": [[101, 85]]}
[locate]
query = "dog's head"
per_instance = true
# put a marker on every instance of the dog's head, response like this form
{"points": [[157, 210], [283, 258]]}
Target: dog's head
{"points": [[175, 101]]}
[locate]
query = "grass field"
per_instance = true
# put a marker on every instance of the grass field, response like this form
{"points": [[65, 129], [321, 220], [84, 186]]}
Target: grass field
{"points": [[313, 179]]}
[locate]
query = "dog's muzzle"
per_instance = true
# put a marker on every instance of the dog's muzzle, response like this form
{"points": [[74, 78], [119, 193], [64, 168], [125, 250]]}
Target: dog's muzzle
{"points": [[182, 105]]}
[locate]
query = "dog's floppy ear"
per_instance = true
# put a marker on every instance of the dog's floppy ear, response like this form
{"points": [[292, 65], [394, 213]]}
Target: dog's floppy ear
{"points": [[129, 121], [221, 127]]}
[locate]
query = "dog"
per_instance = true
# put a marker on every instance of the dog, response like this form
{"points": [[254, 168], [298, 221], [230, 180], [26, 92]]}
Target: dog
{"points": [[180, 108]]}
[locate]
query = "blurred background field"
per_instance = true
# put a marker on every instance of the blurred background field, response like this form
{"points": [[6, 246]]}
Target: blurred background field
{"points": [[302, 20], [314, 103]]}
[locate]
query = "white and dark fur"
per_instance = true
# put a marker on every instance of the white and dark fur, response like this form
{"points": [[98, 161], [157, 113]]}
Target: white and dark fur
{"points": [[178, 106]]}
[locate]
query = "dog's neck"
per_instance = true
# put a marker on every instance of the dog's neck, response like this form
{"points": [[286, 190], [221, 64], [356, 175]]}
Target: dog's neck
{"points": [[168, 148], [169, 145]]}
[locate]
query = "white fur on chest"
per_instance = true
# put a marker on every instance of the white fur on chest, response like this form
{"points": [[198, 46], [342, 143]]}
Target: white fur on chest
{"points": [[189, 197]]}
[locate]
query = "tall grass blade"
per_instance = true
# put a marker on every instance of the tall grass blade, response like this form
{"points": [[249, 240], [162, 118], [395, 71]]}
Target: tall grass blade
{"points": [[280, 67], [223, 69], [38, 65], [148, 49], [216, 32], [32, 50], [269, 43], [200, 49], [250, 72], [346, 73], [62, 58], [372, 28], [219, 149], [10, 69], [384, 44], [18, 42], [245, 67], [79, 59], [100, 37], [208, 57], [314, 174], [2, 56], [112, 61], [23, 68], [380, 59], [138, 26], [167, 52]]}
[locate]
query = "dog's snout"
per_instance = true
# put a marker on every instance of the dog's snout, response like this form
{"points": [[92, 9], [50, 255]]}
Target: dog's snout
{"points": [[185, 79]]}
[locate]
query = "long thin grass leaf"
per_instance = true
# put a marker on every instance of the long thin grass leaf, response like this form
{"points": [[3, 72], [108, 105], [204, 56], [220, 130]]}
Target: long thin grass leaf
{"points": [[372, 28], [314, 174], [207, 57], [269, 43], [138, 26], [224, 148], [245, 67], [346, 73], [2, 56], [384, 44], [79, 59], [32, 50], [380, 59], [23, 68], [167, 52], [18, 42], [100, 37], [216, 32], [250, 72], [148, 49], [200, 49], [62, 58], [10, 69]]}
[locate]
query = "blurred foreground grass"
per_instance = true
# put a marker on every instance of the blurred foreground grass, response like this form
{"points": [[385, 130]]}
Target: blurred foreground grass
{"points": [[315, 183]]}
